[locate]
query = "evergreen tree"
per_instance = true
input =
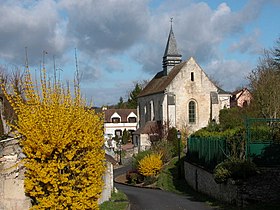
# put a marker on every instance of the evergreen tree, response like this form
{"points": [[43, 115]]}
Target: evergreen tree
{"points": [[121, 104], [132, 101]]}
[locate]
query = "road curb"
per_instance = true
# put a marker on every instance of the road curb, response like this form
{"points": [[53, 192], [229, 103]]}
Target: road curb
{"points": [[122, 183]]}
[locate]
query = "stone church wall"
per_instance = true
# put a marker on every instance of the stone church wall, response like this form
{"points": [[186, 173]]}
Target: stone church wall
{"points": [[197, 90], [159, 107]]}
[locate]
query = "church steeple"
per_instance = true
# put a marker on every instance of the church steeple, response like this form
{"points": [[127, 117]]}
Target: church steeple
{"points": [[171, 55]]}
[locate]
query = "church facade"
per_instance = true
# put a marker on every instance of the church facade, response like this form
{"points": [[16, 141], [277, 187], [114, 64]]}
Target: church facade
{"points": [[181, 96]]}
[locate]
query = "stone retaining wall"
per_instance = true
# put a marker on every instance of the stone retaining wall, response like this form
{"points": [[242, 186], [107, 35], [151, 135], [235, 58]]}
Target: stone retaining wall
{"points": [[262, 188], [203, 181], [12, 196]]}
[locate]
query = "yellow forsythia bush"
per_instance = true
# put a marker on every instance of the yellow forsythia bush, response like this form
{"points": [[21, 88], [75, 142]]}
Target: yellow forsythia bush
{"points": [[150, 165], [62, 141]]}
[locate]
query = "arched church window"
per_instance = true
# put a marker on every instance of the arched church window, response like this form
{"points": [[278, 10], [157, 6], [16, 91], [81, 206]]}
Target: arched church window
{"points": [[192, 112]]}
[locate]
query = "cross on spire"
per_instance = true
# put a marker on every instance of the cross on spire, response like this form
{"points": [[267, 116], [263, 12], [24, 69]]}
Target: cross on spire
{"points": [[171, 21]]}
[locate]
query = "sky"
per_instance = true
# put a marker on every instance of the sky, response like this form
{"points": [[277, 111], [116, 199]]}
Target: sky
{"points": [[121, 42]]}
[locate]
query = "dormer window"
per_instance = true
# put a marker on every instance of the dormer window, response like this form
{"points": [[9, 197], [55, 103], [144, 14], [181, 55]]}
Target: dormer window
{"points": [[132, 119], [116, 120], [192, 76]]}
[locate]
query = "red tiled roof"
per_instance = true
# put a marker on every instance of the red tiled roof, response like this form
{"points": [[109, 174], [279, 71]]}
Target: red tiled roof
{"points": [[122, 112]]}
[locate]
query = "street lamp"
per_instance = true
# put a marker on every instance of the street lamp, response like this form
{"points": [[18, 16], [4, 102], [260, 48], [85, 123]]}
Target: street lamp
{"points": [[120, 150], [179, 153]]}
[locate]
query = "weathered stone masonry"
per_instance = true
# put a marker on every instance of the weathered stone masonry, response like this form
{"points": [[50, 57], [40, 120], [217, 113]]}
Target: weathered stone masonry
{"points": [[262, 188], [12, 196]]}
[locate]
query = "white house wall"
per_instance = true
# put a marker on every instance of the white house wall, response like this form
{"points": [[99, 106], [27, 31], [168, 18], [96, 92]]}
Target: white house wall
{"points": [[109, 128]]}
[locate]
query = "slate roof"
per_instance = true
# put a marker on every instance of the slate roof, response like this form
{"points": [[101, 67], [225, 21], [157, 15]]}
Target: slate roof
{"points": [[150, 127], [122, 112], [171, 46], [221, 91], [159, 83]]}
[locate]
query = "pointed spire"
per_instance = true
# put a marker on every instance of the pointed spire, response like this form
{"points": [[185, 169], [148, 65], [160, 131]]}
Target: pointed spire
{"points": [[171, 55]]}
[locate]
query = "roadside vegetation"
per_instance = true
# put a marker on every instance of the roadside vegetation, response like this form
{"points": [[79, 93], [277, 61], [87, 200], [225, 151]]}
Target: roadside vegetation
{"points": [[63, 144], [118, 201], [147, 165]]}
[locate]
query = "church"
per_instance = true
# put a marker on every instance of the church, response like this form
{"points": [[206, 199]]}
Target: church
{"points": [[181, 95]]}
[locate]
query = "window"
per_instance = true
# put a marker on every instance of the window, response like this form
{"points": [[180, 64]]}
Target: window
{"points": [[245, 103], [192, 112], [192, 76], [118, 133], [132, 119], [116, 120], [152, 114]]}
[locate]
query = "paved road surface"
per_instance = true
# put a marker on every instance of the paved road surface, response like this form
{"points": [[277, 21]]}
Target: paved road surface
{"points": [[150, 199]]}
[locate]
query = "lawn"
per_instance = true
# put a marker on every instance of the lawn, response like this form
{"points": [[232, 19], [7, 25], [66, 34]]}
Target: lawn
{"points": [[118, 201]]}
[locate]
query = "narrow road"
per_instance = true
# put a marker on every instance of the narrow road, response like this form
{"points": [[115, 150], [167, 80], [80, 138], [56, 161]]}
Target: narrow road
{"points": [[151, 199]]}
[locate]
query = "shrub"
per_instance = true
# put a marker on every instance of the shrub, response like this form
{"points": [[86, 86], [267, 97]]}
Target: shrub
{"points": [[137, 158], [126, 137], [221, 174], [133, 177], [173, 142], [235, 169], [62, 141], [165, 148], [150, 165], [236, 142]]}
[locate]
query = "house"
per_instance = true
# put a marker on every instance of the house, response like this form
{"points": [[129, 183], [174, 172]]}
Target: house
{"points": [[241, 98], [118, 120], [180, 95]]}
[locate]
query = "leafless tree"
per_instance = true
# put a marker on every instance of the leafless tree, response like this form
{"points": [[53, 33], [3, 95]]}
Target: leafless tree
{"points": [[264, 83], [12, 83]]}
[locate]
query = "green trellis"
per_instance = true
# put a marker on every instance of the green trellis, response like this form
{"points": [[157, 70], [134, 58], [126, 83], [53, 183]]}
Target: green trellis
{"points": [[256, 144]]}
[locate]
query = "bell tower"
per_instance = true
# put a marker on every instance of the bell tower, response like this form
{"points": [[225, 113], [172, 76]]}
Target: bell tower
{"points": [[171, 55]]}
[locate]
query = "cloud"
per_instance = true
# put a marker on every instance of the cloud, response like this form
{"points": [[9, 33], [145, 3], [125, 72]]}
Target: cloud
{"points": [[110, 33], [247, 44], [102, 29], [199, 30], [106, 26], [35, 25], [108, 95], [230, 74]]}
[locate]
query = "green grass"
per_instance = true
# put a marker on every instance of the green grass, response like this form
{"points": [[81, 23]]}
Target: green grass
{"points": [[118, 201], [168, 180]]}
